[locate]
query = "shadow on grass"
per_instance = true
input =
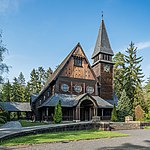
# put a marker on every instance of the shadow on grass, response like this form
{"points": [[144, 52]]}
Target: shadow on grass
{"points": [[127, 146]]}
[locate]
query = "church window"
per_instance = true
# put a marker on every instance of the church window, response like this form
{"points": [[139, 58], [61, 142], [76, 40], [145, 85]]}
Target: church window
{"points": [[78, 61], [78, 88], [89, 89], [64, 87]]}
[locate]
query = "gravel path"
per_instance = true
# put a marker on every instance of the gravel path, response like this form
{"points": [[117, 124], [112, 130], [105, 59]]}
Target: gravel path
{"points": [[138, 139]]}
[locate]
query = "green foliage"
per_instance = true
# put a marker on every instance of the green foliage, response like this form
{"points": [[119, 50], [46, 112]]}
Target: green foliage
{"points": [[6, 91], [133, 74], [139, 113], [114, 114], [3, 66], [124, 106], [6, 115], [2, 120], [147, 94], [119, 71], [58, 113], [128, 76], [25, 123], [19, 91], [38, 79], [147, 116]]}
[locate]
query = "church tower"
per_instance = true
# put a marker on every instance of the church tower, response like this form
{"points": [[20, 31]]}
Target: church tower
{"points": [[102, 63]]}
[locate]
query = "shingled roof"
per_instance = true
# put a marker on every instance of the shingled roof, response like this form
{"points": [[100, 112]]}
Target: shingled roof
{"points": [[102, 43], [15, 106], [72, 100]]}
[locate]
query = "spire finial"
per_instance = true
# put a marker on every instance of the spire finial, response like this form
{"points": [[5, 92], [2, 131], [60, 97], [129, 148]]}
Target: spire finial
{"points": [[102, 15]]}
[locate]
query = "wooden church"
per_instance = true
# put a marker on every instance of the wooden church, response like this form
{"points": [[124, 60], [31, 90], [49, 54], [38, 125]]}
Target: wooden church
{"points": [[84, 90]]}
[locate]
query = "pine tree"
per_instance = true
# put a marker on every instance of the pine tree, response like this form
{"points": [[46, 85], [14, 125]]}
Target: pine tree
{"points": [[6, 91], [124, 106], [22, 85], [48, 74], [21, 79], [34, 82], [3, 66], [16, 93], [27, 92], [58, 113], [114, 114]]}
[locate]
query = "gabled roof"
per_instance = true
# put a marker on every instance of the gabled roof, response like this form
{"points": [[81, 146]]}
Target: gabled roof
{"points": [[15, 106], [102, 43], [57, 72]]}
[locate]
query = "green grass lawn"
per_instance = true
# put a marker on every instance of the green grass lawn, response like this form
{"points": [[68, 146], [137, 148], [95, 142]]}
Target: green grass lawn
{"points": [[26, 123], [61, 136], [147, 127]]}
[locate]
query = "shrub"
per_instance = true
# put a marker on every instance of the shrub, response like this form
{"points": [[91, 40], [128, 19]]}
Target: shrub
{"points": [[5, 114], [114, 114], [2, 120], [139, 113], [147, 116], [58, 113]]}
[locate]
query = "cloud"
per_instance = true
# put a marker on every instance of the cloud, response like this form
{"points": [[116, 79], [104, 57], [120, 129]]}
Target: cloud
{"points": [[9, 6], [142, 45]]}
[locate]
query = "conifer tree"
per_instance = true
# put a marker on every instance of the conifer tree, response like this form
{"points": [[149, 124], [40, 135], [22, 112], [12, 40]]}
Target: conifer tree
{"points": [[119, 71], [124, 106], [27, 92], [114, 114], [34, 82], [6, 91], [58, 113], [16, 93], [133, 73]]}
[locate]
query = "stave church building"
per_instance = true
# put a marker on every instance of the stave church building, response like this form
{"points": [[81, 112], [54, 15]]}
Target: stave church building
{"points": [[84, 90]]}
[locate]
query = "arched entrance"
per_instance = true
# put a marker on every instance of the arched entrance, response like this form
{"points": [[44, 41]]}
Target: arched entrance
{"points": [[86, 110]]}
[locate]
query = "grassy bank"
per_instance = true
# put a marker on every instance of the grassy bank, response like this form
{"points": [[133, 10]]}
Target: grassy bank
{"points": [[147, 127], [26, 123], [62, 136]]}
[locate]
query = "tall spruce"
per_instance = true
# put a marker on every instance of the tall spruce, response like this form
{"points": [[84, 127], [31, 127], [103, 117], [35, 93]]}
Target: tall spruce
{"points": [[3, 66], [133, 74], [119, 71], [128, 77]]}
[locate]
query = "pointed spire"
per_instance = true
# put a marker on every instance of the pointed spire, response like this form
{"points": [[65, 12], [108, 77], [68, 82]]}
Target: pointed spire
{"points": [[102, 43]]}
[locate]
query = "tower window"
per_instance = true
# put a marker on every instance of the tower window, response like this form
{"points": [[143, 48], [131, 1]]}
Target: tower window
{"points": [[78, 61], [96, 58]]}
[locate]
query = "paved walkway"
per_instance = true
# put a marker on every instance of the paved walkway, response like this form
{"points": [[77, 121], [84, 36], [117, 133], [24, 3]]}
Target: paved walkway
{"points": [[138, 140], [11, 124]]}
